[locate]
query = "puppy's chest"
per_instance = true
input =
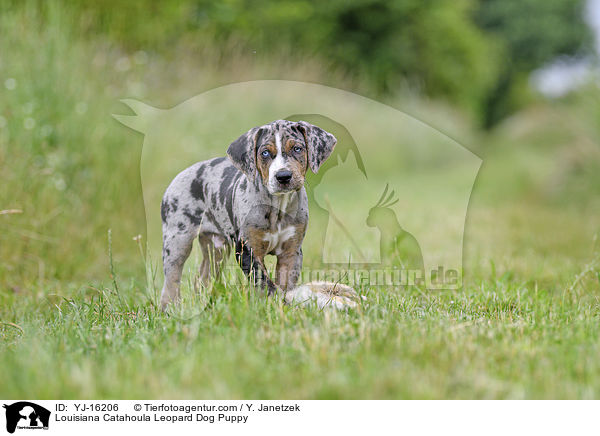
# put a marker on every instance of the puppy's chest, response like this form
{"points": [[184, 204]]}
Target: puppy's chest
{"points": [[276, 238], [282, 229]]}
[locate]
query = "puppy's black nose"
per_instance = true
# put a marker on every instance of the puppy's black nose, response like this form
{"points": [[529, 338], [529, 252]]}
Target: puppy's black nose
{"points": [[283, 176]]}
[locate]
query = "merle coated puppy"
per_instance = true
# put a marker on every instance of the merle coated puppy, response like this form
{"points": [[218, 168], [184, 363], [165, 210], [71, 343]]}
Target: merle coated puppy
{"points": [[254, 201]]}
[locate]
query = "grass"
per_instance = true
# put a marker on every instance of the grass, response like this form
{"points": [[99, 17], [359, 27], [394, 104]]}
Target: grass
{"points": [[78, 320], [497, 340]]}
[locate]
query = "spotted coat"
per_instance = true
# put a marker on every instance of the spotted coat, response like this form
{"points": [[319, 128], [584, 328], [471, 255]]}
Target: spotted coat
{"points": [[236, 203]]}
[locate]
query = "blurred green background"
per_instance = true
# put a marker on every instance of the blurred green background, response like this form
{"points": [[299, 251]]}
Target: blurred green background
{"points": [[461, 66], [69, 172]]}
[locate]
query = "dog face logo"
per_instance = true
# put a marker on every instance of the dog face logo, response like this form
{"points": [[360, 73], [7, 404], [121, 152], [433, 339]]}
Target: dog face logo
{"points": [[280, 152], [26, 415]]}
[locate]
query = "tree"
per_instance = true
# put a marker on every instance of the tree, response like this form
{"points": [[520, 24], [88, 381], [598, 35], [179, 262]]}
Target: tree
{"points": [[532, 33]]}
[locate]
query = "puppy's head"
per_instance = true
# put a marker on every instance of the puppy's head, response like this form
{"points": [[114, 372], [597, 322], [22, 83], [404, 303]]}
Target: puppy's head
{"points": [[280, 153]]}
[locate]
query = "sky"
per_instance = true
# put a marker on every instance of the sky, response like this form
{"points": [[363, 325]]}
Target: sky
{"points": [[564, 75]]}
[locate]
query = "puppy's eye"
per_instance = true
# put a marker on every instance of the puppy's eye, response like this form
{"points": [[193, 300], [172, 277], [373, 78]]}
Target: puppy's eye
{"points": [[265, 153], [297, 149]]}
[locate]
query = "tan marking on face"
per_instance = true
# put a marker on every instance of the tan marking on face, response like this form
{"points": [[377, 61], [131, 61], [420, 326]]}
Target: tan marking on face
{"points": [[263, 164], [289, 160], [298, 162]]}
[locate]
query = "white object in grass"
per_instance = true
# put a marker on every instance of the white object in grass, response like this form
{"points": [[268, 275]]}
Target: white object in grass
{"points": [[324, 294]]}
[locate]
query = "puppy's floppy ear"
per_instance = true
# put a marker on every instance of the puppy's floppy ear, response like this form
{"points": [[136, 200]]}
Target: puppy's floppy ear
{"points": [[319, 142], [242, 152]]}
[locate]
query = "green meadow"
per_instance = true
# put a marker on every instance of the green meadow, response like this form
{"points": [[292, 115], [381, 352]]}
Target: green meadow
{"points": [[79, 286]]}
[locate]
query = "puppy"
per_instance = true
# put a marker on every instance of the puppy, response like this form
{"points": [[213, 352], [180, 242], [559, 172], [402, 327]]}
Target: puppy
{"points": [[254, 201]]}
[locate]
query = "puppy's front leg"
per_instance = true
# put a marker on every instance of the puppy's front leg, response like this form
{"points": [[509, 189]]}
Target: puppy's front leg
{"points": [[289, 265], [252, 262]]}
